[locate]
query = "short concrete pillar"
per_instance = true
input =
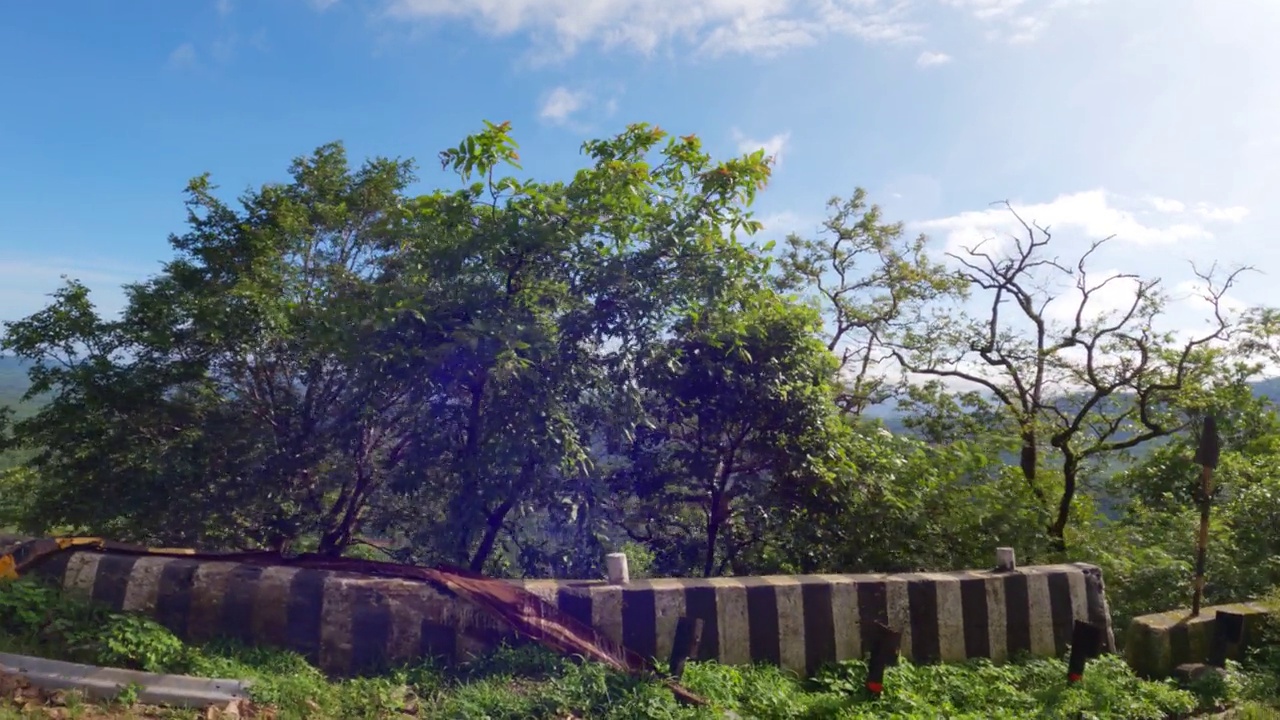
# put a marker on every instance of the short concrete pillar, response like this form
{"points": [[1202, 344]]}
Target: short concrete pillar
{"points": [[1005, 561], [616, 566]]}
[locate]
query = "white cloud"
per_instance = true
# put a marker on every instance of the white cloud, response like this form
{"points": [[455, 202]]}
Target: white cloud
{"points": [[322, 5], [929, 58], [774, 147], [1014, 21], [1089, 215], [223, 7], [1214, 213], [1205, 211], [714, 27], [220, 51], [1165, 205], [183, 56], [560, 28], [1106, 297], [559, 105]]}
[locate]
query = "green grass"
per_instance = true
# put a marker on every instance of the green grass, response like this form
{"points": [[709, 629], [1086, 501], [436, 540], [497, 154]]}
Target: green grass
{"points": [[528, 683]]}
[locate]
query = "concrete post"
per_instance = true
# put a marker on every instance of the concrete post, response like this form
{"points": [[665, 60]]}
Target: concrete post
{"points": [[1005, 561], [616, 566]]}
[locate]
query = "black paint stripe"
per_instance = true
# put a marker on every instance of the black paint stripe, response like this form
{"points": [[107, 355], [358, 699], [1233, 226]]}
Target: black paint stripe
{"points": [[112, 579], [763, 634], [1180, 643], [977, 621], [639, 621], [173, 595], [439, 641], [53, 569], [922, 608], [236, 622], [700, 604], [819, 624], [873, 608], [1060, 610], [303, 616], [370, 630], [1017, 608], [575, 603]]}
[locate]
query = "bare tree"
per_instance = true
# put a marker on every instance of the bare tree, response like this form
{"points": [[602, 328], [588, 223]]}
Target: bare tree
{"points": [[1096, 383]]}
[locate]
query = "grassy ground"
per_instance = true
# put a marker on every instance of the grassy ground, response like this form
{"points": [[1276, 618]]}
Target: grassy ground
{"points": [[529, 684]]}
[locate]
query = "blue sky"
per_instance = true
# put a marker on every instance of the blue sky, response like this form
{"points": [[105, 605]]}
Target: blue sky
{"points": [[1155, 121]]}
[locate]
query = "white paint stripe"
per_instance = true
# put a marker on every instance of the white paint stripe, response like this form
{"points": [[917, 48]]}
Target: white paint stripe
{"points": [[606, 611], [271, 603], [405, 641], [548, 590], [668, 607], [1079, 601], [950, 616], [997, 618], [82, 569], [208, 590], [143, 587], [845, 618], [790, 600], [336, 630], [899, 610], [1041, 614], [731, 619]]}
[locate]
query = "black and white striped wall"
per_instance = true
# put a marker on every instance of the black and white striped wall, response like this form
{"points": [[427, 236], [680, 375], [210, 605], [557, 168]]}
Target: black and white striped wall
{"points": [[346, 623]]}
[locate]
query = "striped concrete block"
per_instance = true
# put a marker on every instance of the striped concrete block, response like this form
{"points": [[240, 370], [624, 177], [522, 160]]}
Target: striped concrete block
{"points": [[1156, 644], [347, 623]]}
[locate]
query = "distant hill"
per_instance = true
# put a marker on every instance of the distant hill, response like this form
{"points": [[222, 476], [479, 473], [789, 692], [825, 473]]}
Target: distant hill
{"points": [[13, 382]]}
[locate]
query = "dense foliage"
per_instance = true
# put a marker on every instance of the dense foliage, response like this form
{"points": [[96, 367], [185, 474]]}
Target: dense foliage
{"points": [[520, 376]]}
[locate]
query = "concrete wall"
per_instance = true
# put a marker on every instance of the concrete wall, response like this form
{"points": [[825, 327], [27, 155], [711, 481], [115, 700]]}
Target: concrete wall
{"points": [[346, 623], [1154, 645]]}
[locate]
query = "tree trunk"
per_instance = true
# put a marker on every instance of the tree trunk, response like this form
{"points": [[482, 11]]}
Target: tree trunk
{"points": [[493, 523], [715, 519], [490, 538], [1028, 459], [713, 533], [1057, 531], [467, 466]]}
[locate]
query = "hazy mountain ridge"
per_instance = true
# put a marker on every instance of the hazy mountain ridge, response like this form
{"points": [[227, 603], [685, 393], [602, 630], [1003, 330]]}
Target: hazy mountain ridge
{"points": [[13, 383]]}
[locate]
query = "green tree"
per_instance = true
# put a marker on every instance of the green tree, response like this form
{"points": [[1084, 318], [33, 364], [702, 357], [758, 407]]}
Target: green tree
{"points": [[908, 505], [332, 339], [740, 420], [870, 280], [225, 405], [515, 314]]}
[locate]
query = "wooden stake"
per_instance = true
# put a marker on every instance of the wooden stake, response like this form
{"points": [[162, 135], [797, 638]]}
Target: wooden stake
{"points": [[685, 644], [1207, 453]]}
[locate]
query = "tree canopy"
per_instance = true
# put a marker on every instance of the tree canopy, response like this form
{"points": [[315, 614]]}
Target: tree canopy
{"points": [[519, 376]]}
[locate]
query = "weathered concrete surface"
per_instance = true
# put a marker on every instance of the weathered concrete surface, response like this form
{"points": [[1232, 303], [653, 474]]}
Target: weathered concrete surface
{"points": [[347, 623], [1157, 644]]}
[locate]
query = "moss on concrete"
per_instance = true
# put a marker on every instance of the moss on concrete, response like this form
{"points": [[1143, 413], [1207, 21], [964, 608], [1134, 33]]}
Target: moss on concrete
{"points": [[1156, 644]]}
